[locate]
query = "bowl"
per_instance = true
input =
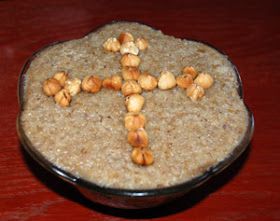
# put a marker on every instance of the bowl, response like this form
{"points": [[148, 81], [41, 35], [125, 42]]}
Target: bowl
{"points": [[130, 198]]}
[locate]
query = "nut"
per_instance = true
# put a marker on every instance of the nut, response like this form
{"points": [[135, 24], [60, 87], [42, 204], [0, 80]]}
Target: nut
{"points": [[147, 81], [73, 86], [125, 37], [141, 43], [138, 138], [134, 121], [129, 48], [130, 73], [114, 82], [61, 77], [63, 98], [166, 80], [91, 84], [204, 80], [190, 70], [51, 86], [112, 44], [195, 92], [134, 103], [142, 156], [130, 60], [131, 87], [184, 80]]}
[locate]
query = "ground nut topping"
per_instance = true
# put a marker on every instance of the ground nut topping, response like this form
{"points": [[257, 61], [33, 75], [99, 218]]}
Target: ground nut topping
{"points": [[184, 80], [114, 82], [142, 156], [73, 86], [125, 37], [130, 73], [166, 80], [134, 103], [138, 138], [63, 98], [190, 70], [131, 87], [141, 43], [112, 44], [130, 60], [147, 81], [91, 84], [204, 80], [61, 77], [129, 48], [51, 86]]}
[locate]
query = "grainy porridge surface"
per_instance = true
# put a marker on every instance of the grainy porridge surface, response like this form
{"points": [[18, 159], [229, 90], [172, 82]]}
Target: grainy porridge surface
{"points": [[88, 138]]}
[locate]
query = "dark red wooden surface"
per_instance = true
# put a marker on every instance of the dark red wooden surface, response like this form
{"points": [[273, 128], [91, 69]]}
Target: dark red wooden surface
{"points": [[248, 31]]}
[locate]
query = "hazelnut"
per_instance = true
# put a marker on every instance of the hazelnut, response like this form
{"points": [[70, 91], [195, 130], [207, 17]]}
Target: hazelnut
{"points": [[134, 103], [112, 44], [138, 138], [184, 80], [142, 156], [61, 77], [130, 73], [129, 48], [73, 86], [91, 84], [63, 98], [130, 60], [125, 37], [190, 70], [141, 43], [147, 81], [131, 87], [134, 121], [195, 92], [51, 86], [114, 82], [166, 80], [204, 80]]}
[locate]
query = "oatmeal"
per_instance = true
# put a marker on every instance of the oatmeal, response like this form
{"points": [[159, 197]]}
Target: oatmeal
{"points": [[89, 138]]}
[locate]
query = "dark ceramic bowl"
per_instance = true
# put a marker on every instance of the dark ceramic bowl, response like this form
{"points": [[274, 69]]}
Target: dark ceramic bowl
{"points": [[127, 198]]}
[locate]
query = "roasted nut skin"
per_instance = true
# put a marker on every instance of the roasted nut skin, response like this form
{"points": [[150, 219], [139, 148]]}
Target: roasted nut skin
{"points": [[112, 44], [63, 98], [138, 138], [73, 86], [134, 121], [204, 80], [131, 87], [147, 81], [129, 48], [134, 103], [61, 76], [142, 156], [141, 43], [114, 82], [166, 80], [194, 92], [125, 37], [184, 80], [190, 70], [130, 60], [91, 84], [130, 73], [51, 86]]}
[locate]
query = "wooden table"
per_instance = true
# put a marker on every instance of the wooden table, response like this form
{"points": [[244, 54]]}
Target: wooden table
{"points": [[249, 32]]}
